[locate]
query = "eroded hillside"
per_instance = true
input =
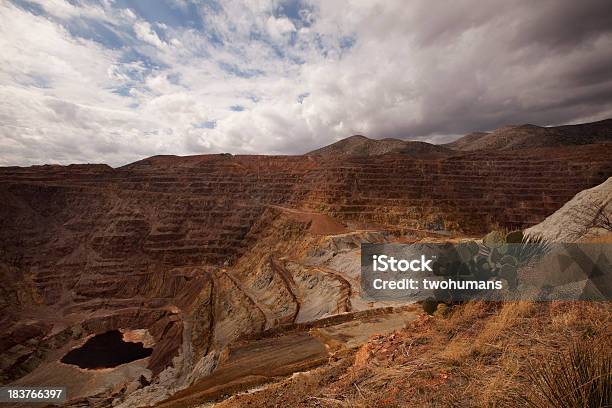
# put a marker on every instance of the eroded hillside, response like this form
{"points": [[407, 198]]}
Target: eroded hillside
{"points": [[193, 255]]}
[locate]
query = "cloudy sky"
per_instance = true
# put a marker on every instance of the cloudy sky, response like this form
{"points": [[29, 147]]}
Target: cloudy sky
{"points": [[117, 80]]}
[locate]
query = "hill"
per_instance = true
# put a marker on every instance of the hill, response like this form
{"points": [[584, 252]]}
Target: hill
{"points": [[532, 136], [361, 146], [505, 138]]}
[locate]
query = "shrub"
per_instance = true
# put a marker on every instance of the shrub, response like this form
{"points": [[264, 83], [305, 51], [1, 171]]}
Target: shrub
{"points": [[580, 378]]}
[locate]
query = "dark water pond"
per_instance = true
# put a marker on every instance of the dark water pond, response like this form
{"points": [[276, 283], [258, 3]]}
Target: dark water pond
{"points": [[106, 350]]}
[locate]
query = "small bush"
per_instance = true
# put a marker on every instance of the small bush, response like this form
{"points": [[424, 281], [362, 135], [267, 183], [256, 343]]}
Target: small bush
{"points": [[580, 378]]}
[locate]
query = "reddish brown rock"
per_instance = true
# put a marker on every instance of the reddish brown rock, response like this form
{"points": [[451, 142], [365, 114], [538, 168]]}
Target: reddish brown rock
{"points": [[202, 250]]}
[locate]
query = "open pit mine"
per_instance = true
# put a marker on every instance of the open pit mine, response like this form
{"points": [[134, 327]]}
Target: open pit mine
{"points": [[179, 281]]}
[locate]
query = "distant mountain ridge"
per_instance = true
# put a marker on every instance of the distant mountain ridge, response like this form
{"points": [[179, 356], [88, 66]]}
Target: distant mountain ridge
{"points": [[359, 145], [532, 136], [504, 138]]}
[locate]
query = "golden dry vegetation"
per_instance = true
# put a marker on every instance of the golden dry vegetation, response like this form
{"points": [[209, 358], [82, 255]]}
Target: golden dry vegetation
{"points": [[474, 355]]}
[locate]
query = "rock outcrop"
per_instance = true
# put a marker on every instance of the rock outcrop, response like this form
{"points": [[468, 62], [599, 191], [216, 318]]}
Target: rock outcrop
{"points": [[587, 215]]}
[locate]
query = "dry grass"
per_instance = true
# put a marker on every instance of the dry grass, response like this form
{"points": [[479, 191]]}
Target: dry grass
{"points": [[601, 239], [579, 378], [481, 340], [480, 355]]}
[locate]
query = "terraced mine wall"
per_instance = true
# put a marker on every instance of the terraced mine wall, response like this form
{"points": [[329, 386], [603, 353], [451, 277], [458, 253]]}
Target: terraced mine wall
{"points": [[470, 193], [88, 249]]}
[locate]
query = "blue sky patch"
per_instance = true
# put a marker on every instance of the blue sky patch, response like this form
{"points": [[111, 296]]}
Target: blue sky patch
{"points": [[209, 124]]}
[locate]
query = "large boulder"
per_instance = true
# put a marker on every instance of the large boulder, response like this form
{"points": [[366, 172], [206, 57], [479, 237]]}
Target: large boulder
{"points": [[588, 214]]}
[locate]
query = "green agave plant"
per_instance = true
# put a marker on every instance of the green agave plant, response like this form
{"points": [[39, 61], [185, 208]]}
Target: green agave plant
{"points": [[500, 256]]}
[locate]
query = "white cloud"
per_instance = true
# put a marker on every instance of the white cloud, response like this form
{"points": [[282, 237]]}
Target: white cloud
{"points": [[277, 27], [145, 32], [63, 9]]}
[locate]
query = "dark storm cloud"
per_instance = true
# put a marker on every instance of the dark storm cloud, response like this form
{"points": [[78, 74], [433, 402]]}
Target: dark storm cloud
{"points": [[559, 24], [486, 64]]}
